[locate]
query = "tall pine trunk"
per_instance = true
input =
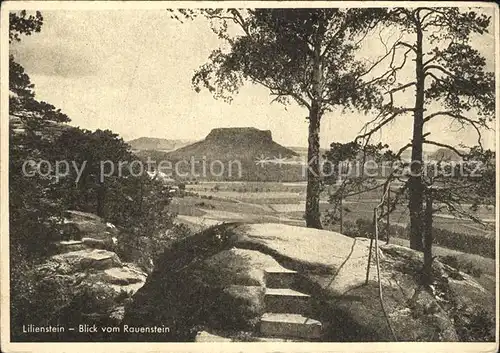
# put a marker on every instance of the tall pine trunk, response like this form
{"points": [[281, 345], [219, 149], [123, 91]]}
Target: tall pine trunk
{"points": [[415, 181], [313, 216]]}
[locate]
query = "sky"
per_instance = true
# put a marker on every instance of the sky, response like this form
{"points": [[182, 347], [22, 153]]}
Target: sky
{"points": [[130, 71]]}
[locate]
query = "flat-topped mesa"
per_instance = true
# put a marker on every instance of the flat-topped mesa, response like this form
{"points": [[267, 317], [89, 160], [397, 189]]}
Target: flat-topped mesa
{"points": [[244, 145], [239, 134]]}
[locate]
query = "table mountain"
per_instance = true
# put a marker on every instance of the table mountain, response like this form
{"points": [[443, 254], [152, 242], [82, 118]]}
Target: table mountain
{"points": [[227, 151]]}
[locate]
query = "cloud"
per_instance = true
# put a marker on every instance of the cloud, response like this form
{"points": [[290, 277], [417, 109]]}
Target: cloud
{"points": [[54, 61]]}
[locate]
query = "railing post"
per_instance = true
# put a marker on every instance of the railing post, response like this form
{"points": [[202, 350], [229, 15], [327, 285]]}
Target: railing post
{"points": [[388, 213], [370, 250]]}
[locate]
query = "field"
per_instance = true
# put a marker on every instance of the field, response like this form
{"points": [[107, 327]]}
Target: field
{"points": [[287, 200]]}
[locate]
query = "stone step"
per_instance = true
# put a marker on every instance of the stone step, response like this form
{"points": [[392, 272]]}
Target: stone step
{"points": [[289, 325], [279, 277], [204, 336], [70, 242], [284, 300], [70, 245]]}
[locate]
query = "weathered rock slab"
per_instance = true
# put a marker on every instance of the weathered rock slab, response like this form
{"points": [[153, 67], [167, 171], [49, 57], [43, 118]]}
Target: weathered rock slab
{"points": [[86, 259], [123, 276]]}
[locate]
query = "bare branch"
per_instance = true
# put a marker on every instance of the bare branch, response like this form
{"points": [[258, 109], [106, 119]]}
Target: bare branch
{"points": [[402, 149], [462, 119], [238, 18], [452, 208], [393, 70], [431, 11], [439, 68], [434, 77], [394, 90], [412, 47], [384, 122], [427, 62], [429, 142], [457, 116], [392, 51], [422, 20]]}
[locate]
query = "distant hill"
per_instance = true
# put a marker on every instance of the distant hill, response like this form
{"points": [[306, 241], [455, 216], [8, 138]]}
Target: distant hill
{"points": [[445, 154], [157, 144], [226, 152], [230, 143]]}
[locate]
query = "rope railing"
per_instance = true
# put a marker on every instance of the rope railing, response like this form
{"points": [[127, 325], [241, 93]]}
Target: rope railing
{"points": [[377, 260]]}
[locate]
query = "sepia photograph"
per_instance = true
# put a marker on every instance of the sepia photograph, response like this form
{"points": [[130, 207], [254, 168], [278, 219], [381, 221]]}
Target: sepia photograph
{"points": [[238, 176]]}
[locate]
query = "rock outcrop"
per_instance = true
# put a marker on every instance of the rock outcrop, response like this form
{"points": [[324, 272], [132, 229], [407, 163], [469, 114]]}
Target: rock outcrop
{"points": [[86, 280], [96, 275], [214, 283]]}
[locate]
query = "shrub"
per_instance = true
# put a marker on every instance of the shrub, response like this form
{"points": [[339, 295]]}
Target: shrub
{"points": [[450, 260], [145, 250], [35, 298], [476, 325], [467, 267]]}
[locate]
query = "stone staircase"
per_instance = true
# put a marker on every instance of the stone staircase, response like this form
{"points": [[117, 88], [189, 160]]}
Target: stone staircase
{"points": [[286, 309]]}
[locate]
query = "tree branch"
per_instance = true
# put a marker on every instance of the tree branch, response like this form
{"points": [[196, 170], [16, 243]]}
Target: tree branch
{"points": [[402, 149], [460, 118], [459, 211], [393, 70], [457, 116], [238, 19], [383, 123], [394, 90], [431, 12], [440, 68], [412, 47], [434, 77], [439, 144], [388, 51], [430, 60]]}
